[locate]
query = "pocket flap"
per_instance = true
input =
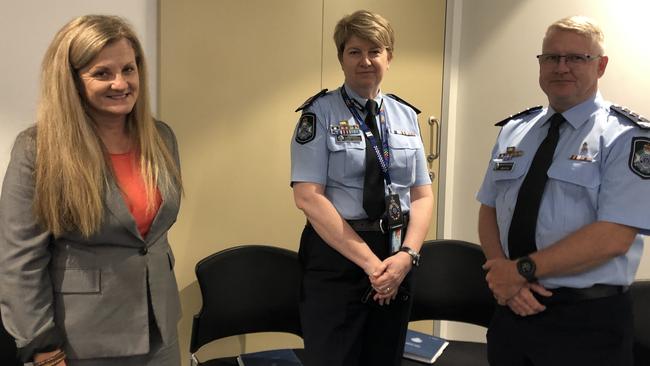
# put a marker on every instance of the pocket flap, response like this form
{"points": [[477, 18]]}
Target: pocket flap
{"points": [[403, 142], [76, 280], [515, 171], [581, 173], [334, 145]]}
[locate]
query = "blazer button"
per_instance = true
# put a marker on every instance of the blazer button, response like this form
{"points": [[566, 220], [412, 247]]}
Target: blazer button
{"points": [[144, 250]]}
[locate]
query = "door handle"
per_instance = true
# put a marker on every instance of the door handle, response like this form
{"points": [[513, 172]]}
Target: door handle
{"points": [[434, 129]]}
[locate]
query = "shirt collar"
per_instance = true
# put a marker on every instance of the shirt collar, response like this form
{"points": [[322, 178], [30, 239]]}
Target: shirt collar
{"points": [[579, 114], [359, 101]]}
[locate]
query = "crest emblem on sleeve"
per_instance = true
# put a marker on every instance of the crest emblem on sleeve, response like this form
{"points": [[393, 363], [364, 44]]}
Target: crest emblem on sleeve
{"points": [[640, 157], [306, 130]]}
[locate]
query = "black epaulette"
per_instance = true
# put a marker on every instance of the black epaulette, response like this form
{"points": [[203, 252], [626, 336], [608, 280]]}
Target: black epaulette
{"points": [[638, 119], [417, 111], [311, 100], [522, 113]]}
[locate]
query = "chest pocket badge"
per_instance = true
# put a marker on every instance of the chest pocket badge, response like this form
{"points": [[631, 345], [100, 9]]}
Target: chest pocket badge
{"points": [[584, 154], [346, 132]]}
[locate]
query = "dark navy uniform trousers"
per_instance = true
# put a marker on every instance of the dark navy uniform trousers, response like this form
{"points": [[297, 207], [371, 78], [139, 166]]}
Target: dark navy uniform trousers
{"points": [[338, 328], [595, 332]]}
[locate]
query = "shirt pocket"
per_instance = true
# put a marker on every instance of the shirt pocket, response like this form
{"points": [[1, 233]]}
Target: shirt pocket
{"points": [[582, 174], [506, 185], [402, 158], [578, 182], [76, 280], [347, 160]]}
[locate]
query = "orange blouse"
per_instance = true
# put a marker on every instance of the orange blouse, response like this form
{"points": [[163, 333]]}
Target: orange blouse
{"points": [[127, 171]]}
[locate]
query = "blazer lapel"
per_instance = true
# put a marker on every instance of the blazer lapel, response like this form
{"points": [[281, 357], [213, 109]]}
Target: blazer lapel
{"points": [[165, 216], [115, 203]]}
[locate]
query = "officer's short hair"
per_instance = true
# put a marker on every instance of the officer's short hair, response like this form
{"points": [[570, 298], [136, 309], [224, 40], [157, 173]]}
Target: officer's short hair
{"points": [[582, 25], [365, 25]]}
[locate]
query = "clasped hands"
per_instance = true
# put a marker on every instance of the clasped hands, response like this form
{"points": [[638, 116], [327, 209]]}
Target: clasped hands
{"points": [[388, 276], [511, 289]]}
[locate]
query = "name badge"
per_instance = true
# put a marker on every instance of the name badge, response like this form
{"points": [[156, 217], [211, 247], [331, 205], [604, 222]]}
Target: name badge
{"points": [[504, 165]]}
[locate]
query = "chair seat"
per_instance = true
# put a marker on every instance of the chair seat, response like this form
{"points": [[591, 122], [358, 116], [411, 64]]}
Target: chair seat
{"points": [[225, 361], [232, 361], [458, 353]]}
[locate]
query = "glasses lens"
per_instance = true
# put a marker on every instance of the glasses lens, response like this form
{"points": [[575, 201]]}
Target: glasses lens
{"points": [[548, 58], [576, 59]]}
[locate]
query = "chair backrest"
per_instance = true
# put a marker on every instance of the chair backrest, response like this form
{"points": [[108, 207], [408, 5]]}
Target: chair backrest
{"points": [[640, 291], [247, 289], [450, 284], [7, 348]]}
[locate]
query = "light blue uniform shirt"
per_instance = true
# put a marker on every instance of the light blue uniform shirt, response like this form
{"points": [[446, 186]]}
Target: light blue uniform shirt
{"points": [[590, 180], [339, 164]]}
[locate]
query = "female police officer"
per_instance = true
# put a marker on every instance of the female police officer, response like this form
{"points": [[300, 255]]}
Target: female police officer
{"points": [[359, 174]]}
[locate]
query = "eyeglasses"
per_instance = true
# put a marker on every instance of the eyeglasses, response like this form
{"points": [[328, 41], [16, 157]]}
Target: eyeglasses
{"points": [[572, 59]]}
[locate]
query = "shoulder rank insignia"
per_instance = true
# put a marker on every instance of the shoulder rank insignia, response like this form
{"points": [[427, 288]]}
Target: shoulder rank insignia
{"points": [[520, 114], [638, 119], [311, 100], [393, 96]]}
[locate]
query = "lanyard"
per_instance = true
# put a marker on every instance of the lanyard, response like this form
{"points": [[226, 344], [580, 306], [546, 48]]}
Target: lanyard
{"points": [[383, 159]]}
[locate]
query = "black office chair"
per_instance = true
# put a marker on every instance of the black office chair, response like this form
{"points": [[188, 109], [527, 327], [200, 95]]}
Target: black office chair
{"points": [[7, 348], [640, 291], [450, 285], [246, 289]]}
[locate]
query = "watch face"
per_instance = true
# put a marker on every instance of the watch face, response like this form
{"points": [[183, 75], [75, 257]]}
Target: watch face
{"points": [[526, 266], [415, 257]]}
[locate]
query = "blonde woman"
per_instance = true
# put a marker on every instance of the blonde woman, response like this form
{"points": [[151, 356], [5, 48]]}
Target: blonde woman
{"points": [[359, 175], [86, 270]]}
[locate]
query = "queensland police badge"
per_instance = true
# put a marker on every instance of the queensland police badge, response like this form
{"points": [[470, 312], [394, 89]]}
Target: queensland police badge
{"points": [[306, 130], [640, 157]]}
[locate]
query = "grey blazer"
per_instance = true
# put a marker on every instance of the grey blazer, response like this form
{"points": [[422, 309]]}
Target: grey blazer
{"points": [[92, 292]]}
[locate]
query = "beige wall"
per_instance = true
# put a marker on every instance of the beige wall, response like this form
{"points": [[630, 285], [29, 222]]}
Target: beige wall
{"points": [[492, 73]]}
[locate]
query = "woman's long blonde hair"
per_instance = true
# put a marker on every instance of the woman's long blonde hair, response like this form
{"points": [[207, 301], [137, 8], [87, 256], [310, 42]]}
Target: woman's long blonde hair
{"points": [[72, 169]]}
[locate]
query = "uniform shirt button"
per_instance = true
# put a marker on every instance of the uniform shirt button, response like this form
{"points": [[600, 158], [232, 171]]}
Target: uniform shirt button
{"points": [[144, 250]]}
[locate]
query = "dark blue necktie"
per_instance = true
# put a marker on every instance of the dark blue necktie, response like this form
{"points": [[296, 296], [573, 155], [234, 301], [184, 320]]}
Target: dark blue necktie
{"points": [[521, 237]]}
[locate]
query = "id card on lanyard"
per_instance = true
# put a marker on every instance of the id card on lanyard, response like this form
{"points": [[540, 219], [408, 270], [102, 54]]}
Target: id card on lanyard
{"points": [[394, 216]]}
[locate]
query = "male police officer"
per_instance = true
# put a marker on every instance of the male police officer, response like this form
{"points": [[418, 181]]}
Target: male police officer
{"points": [[564, 204]]}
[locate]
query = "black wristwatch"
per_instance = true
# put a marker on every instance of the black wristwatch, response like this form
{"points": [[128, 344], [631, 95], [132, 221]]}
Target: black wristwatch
{"points": [[415, 256], [526, 268]]}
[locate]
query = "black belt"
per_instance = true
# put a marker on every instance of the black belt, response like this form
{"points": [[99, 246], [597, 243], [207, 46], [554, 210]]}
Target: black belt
{"points": [[568, 295], [371, 225]]}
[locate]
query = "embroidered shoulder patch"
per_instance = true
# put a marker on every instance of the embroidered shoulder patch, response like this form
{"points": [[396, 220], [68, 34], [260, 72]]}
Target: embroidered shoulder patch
{"points": [[638, 119], [393, 96], [520, 114], [311, 100], [640, 157], [306, 130]]}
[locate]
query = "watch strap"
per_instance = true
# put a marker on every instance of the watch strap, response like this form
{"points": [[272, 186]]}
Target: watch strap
{"points": [[415, 256]]}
